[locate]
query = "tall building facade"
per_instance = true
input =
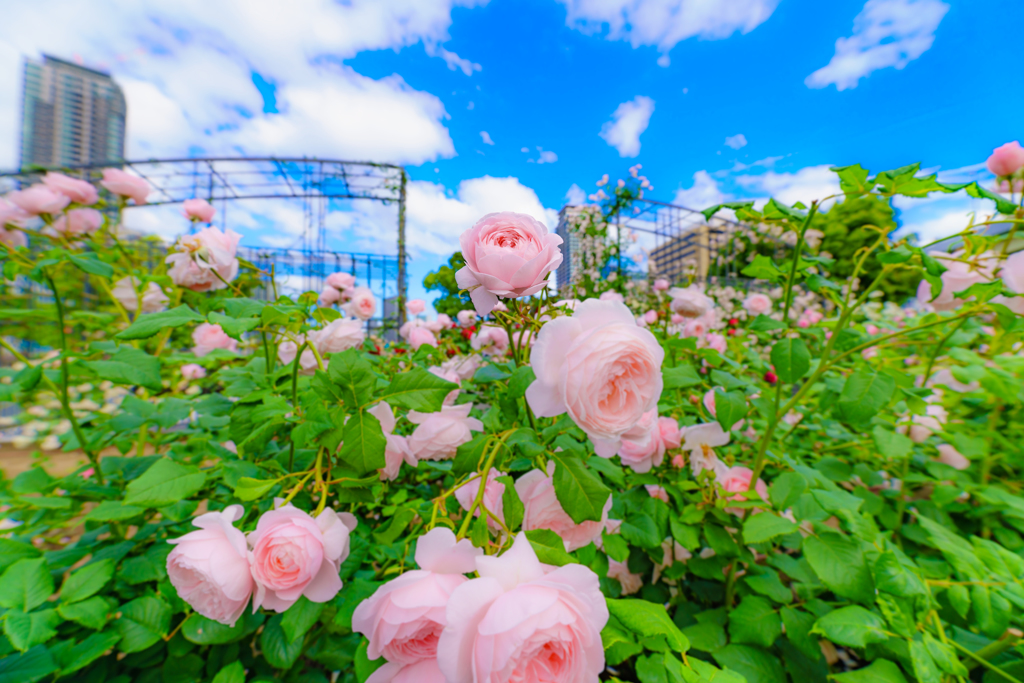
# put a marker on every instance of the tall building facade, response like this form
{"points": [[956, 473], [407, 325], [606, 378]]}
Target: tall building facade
{"points": [[71, 115], [567, 219]]}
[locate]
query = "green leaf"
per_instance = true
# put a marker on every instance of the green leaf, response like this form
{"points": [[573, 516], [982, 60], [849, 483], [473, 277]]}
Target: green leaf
{"points": [[253, 489], [364, 668], [706, 637], [92, 265], [1003, 205], [233, 327], [798, 630], [231, 673], [730, 408], [399, 521], [300, 617], [129, 365], [11, 551], [865, 392], [165, 483], [892, 577], [651, 669], [511, 506], [763, 323], [148, 324], [549, 547], [839, 562], [640, 530], [490, 373], [242, 307], [25, 585], [353, 375], [815, 282], [764, 526], [852, 626], [735, 206], [202, 631], [900, 254], [982, 291], [853, 180], [786, 489], [891, 444], [113, 511], [280, 652], [27, 667], [87, 581], [25, 631], [648, 619], [91, 613], [143, 622], [944, 656], [418, 389], [791, 359], [879, 671], [754, 664], [88, 651], [521, 379], [615, 546], [581, 493], [364, 442], [755, 621], [925, 669], [680, 377], [469, 457], [763, 268]]}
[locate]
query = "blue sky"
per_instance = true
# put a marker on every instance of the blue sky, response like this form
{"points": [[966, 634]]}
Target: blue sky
{"points": [[716, 98]]}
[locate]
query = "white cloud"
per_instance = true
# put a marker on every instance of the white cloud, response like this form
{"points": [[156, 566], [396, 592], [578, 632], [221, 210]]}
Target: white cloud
{"points": [[664, 23], [736, 141], [575, 196], [485, 136], [805, 185], [702, 194], [525, 149], [885, 33], [629, 120], [456, 62], [546, 156]]}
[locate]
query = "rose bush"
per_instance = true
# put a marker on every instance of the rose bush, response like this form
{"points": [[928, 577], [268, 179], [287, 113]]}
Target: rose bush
{"points": [[787, 481]]}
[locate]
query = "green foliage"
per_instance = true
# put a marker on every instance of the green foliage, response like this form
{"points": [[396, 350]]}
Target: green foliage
{"points": [[443, 280]]}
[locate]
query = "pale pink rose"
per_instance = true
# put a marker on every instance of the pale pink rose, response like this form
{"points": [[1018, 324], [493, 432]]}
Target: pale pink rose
{"points": [[499, 308], [404, 618], [423, 671], [198, 210], [493, 492], [716, 341], [199, 259], [76, 190], [78, 222], [341, 281], [758, 304], [570, 304], [490, 341], [871, 329], [958, 277], [630, 582], [612, 295], [708, 434], [408, 326], [690, 302], [419, 336], [922, 426], [661, 285], [1006, 159], [39, 199], [88, 473], [523, 339], [640, 321], [362, 304], [466, 318], [439, 434], [208, 337], [677, 319], [814, 316], [737, 480], [294, 554], [672, 552], [397, 449], [13, 238], [12, 214], [328, 297], [1012, 274], [803, 323], [651, 317], [541, 510], [339, 335], [869, 353], [952, 457], [125, 184], [463, 366], [655, 491], [598, 366], [153, 299], [508, 255], [519, 622], [192, 371], [287, 349], [644, 446], [679, 461], [210, 568], [944, 378], [443, 322], [416, 306], [695, 328], [709, 402], [447, 374]]}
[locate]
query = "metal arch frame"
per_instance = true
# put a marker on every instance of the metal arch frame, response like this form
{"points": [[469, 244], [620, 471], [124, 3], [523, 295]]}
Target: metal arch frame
{"points": [[314, 181]]}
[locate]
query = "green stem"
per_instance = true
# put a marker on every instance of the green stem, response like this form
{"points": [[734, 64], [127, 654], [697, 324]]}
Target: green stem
{"points": [[796, 261]]}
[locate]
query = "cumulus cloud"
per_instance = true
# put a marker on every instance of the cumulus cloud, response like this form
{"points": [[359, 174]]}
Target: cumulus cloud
{"points": [[805, 185], [885, 33], [486, 137], [664, 23], [629, 120], [736, 141], [575, 196], [544, 156], [704, 193]]}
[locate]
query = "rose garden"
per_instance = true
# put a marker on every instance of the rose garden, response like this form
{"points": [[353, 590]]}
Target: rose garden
{"points": [[812, 473]]}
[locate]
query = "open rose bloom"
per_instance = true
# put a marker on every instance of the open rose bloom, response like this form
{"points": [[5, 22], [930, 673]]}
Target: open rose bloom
{"points": [[205, 261]]}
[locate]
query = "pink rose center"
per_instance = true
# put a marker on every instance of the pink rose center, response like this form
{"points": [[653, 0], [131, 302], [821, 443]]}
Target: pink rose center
{"points": [[420, 645], [285, 562], [509, 239], [547, 663]]}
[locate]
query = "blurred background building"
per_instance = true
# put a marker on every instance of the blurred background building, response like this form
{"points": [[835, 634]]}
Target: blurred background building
{"points": [[71, 115]]}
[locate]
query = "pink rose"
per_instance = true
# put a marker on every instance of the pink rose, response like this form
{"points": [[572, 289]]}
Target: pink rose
{"points": [[210, 568], [423, 671], [439, 434], [200, 258], [12, 214], [463, 366], [690, 302], [493, 492], [611, 295], [442, 322], [418, 336], [76, 190], [523, 339], [630, 582], [507, 254], [814, 316], [125, 291], [339, 335], [695, 328], [758, 304], [520, 622], [294, 554], [491, 341], [404, 618], [449, 375], [570, 304], [13, 238], [466, 318], [125, 184], [541, 510], [499, 308], [737, 480], [598, 366], [198, 210], [672, 553], [192, 371], [328, 297], [362, 304], [677, 319], [651, 317], [39, 199], [341, 280], [1012, 274], [644, 446], [952, 457], [655, 491], [397, 449], [416, 306], [78, 222], [716, 342], [287, 349], [661, 285], [1006, 159], [208, 337], [958, 277]]}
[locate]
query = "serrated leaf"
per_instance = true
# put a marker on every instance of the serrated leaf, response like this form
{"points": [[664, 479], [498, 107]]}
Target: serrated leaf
{"points": [[581, 493], [730, 408], [129, 365], [765, 526], [91, 613], [763, 323], [353, 375], [92, 265], [798, 630], [680, 377], [280, 652], [754, 621], [865, 392], [763, 268], [418, 389], [786, 489], [148, 324], [25, 631], [364, 442], [648, 619], [87, 581], [852, 626], [253, 489], [839, 562], [27, 667], [165, 483], [754, 664], [25, 585], [300, 617], [853, 180], [89, 650], [231, 673], [879, 671], [791, 359], [511, 506], [233, 327], [143, 622]]}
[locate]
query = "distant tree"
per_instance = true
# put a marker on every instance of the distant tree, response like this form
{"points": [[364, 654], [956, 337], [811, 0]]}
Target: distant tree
{"points": [[443, 280]]}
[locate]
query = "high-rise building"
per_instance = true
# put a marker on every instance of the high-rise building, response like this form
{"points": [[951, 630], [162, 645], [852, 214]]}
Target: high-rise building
{"points": [[71, 115], [568, 218]]}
